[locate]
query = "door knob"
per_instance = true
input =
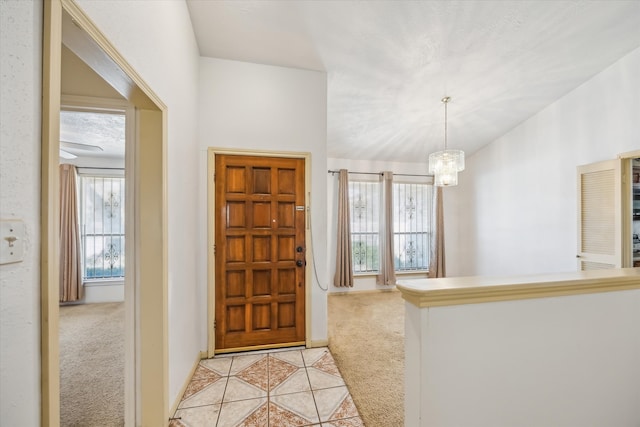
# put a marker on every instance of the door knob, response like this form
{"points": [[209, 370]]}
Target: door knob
{"points": [[300, 263]]}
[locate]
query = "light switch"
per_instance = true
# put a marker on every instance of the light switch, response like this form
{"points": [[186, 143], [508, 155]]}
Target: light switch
{"points": [[11, 241]]}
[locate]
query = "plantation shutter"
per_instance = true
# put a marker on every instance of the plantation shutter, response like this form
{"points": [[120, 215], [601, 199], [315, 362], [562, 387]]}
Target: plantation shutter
{"points": [[600, 215]]}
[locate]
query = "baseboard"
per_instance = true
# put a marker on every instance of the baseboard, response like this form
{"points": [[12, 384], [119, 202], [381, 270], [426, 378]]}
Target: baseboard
{"points": [[174, 408], [365, 291], [318, 343]]}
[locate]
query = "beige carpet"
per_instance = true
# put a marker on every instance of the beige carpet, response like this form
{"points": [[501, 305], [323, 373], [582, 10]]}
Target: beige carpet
{"points": [[92, 365], [366, 338]]}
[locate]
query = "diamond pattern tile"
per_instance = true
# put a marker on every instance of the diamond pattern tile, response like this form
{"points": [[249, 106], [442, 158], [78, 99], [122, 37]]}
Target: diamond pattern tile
{"points": [[292, 357], [196, 417], [335, 403], [176, 423], [327, 364], [252, 412], [202, 377], [279, 371], [256, 374], [312, 355], [282, 417], [297, 409], [346, 422], [238, 389], [280, 388], [240, 363], [209, 395], [220, 366], [294, 383], [320, 379]]}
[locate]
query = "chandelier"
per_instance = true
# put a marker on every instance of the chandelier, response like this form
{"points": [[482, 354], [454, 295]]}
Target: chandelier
{"points": [[445, 164]]}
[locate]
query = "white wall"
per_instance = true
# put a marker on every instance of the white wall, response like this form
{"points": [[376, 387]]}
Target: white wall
{"points": [[103, 291], [515, 210], [361, 282], [505, 364], [20, 100], [260, 107], [157, 39]]}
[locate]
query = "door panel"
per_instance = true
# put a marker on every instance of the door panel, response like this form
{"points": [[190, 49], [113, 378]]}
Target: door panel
{"points": [[260, 240], [600, 215]]}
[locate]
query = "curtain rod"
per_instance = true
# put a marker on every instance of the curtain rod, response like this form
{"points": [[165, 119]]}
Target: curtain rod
{"points": [[333, 172]]}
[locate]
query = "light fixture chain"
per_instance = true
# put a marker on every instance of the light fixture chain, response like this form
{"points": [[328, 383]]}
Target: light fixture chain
{"points": [[446, 100]]}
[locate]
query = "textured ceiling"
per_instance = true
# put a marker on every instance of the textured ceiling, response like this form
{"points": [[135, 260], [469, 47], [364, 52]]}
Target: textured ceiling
{"points": [[85, 133], [390, 62]]}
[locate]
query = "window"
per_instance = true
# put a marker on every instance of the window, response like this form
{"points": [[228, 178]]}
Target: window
{"points": [[364, 205], [411, 231], [102, 226], [411, 225]]}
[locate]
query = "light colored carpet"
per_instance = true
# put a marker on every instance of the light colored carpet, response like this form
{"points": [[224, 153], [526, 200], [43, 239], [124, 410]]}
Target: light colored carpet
{"points": [[92, 365], [366, 338]]}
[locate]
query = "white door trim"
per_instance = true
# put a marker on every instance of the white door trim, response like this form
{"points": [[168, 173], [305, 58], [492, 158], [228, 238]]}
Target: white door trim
{"points": [[149, 168]]}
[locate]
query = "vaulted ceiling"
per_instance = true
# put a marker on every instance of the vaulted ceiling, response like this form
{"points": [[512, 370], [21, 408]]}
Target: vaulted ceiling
{"points": [[389, 63]]}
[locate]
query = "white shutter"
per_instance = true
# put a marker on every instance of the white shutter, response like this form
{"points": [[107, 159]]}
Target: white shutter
{"points": [[600, 215]]}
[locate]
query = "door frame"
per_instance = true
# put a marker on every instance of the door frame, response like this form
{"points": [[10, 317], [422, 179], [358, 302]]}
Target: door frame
{"points": [[211, 235], [147, 169], [627, 206]]}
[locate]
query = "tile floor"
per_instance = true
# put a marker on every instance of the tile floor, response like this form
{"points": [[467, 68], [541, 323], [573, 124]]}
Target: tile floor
{"points": [[274, 389]]}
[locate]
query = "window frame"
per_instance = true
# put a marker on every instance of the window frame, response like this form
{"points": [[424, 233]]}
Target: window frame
{"points": [[91, 172], [376, 234], [429, 218], [429, 224]]}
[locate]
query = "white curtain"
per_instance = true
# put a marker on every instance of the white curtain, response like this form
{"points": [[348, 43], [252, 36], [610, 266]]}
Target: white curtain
{"points": [[70, 250], [344, 266], [437, 261], [387, 275]]}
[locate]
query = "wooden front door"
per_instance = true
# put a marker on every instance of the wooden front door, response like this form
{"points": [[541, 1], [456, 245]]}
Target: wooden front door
{"points": [[259, 252]]}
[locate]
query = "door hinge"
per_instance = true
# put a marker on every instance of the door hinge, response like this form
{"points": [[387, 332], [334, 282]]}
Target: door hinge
{"points": [[214, 249], [214, 324]]}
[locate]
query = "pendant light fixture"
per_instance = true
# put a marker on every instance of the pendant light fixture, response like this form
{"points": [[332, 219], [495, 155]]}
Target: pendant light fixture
{"points": [[445, 164]]}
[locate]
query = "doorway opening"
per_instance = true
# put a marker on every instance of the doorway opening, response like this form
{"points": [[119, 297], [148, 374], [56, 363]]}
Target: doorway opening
{"points": [[92, 298]]}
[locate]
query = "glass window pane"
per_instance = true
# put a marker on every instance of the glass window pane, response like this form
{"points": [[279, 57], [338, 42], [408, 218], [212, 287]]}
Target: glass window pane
{"points": [[102, 226], [364, 203], [411, 225]]}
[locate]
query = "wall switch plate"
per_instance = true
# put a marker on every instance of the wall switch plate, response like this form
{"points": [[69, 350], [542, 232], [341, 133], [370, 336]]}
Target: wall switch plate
{"points": [[11, 241]]}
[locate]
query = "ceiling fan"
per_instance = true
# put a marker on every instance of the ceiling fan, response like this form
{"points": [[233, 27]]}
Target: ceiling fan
{"points": [[75, 146]]}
